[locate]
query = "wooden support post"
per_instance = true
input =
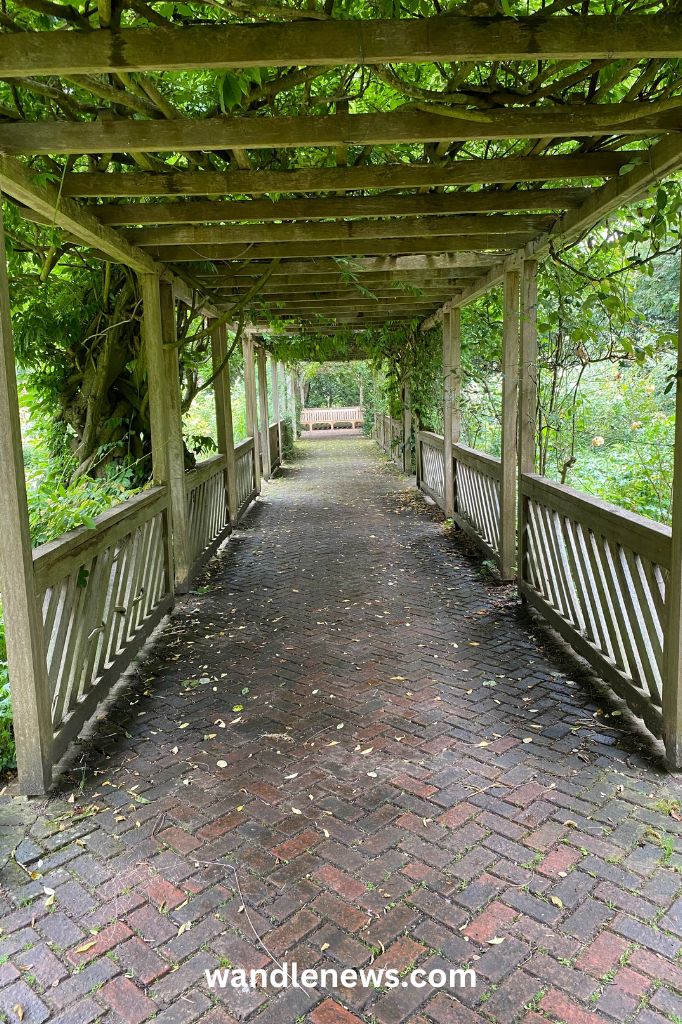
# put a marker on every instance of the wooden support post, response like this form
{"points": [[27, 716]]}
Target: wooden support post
{"points": [[264, 412], [274, 376], [23, 621], [456, 378], [528, 397], [448, 477], [672, 680], [293, 412], [510, 384], [223, 408], [165, 413], [251, 405], [417, 452], [407, 431]]}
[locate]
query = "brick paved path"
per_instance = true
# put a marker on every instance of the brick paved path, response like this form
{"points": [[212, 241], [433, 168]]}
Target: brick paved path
{"points": [[410, 780]]}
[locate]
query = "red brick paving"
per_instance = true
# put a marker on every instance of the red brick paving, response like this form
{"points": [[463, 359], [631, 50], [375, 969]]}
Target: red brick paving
{"points": [[399, 838]]}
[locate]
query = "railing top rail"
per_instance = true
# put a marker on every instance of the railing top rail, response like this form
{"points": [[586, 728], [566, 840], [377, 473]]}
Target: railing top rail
{"points": [[491, 464], [204, 471], [645, 536], [55, 558], [435, 440], [244, 446]]}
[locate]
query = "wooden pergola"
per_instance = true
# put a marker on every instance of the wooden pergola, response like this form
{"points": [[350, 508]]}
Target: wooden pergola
{"points": [[329, 222]]}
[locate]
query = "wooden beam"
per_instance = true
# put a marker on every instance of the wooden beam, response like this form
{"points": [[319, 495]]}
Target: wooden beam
{"points": [[332, 43], [222, 392], [355, 265], [528, 400], [672, 642], [437, 203], [26, 656], [400, 227], [210, 134], [264, 412], [448, 360], [45, 199], [510, 384], [662, 160], [251, 403], [500, 170], [366, 247], [347, 302], [350, 293], [332, 289], [168, 454]]}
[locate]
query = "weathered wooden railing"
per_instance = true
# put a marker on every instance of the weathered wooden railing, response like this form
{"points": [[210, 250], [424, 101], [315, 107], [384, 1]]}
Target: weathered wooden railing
{"points": [[275, 454], [101, 591], [208, 516], [598, 575], [477, 496], [332, 417], [476, 478], [245, 474], [432, 466]]}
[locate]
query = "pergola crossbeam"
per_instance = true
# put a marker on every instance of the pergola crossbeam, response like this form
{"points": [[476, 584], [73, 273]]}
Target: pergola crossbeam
{"points": [[405, 125], [333, 43], [136, 184], [663, 160]]}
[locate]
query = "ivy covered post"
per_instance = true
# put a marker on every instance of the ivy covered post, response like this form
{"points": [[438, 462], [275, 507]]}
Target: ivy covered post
{"points": [[165, 414], [23, 622], [251, 404], [510, 384], [528, 399], [672, 680]]}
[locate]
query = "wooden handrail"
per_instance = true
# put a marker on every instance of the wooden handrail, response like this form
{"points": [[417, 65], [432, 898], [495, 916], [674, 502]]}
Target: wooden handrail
{"points": [[646, 537], [58, 558], [204, 471], [434, 440], [244, 446], [481, 461]]}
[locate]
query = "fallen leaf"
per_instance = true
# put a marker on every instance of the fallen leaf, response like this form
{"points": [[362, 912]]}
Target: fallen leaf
{"points": [[497, 941], [86, 946]]}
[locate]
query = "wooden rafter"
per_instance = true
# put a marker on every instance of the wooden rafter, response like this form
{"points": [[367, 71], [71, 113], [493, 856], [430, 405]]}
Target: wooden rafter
{"points": [[436, 204], [480, 225], [664, 159], [93, 184], [334, 247], [332, 43], [406, 125]]}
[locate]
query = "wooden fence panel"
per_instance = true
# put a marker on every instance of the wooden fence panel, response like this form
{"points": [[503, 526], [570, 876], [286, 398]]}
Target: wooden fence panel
{"points": [[432, 478], [275, 454], [598, 574], [477, 496], [247, 487], [208, 515], [102, 591]]}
